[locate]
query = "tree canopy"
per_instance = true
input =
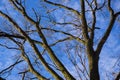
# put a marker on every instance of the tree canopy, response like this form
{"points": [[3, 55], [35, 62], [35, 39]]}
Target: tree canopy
{"points": [[59, 39]]}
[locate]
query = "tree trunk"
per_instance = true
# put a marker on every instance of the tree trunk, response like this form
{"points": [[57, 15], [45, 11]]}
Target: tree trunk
{"points": [[93, 67]]}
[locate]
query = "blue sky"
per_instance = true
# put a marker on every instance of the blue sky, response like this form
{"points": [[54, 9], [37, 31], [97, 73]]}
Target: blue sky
{"points": [[109, 54]]}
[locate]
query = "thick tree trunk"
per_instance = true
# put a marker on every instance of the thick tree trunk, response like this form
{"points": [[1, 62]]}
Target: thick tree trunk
{"points": [[93, 67], [93, 60]]}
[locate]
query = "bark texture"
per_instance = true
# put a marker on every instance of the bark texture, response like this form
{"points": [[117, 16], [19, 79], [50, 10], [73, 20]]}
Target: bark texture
{"points": [[93, 67]]}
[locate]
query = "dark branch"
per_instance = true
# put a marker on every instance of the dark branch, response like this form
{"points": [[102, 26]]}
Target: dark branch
{"points": [[109, 29], [62, 6], [118, 76], [4, 34]]}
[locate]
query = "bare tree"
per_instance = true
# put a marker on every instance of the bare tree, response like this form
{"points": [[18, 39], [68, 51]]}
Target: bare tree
{"points": [[39, 32]]}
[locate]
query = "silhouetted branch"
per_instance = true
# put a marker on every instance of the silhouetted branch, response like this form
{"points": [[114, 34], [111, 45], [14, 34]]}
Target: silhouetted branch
{"points": [[65, 7]]}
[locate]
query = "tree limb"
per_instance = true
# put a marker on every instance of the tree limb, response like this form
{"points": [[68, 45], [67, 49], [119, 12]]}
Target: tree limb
{"points": [[83, 20], [118, 76], [68, 34], [26, 58], [33, 46], [109, 29], [62, 6]]}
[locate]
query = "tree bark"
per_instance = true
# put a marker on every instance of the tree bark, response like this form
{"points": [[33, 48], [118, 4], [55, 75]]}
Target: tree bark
{"points": [[93, 67], [93, 60]]}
